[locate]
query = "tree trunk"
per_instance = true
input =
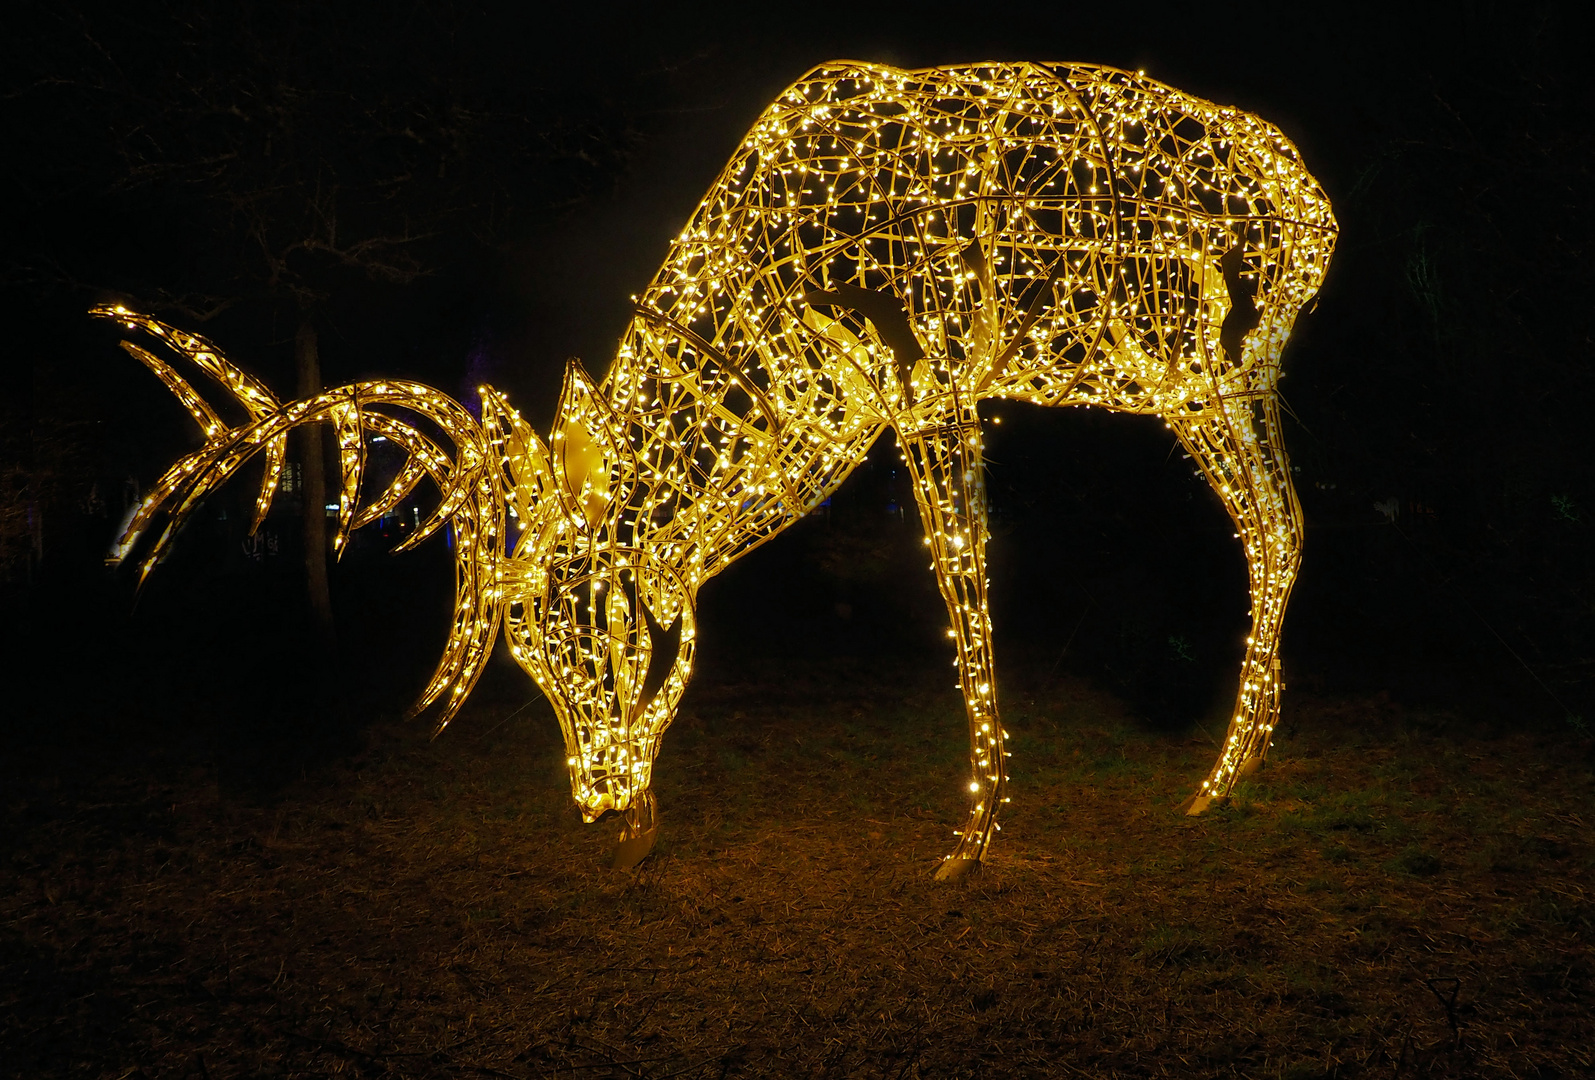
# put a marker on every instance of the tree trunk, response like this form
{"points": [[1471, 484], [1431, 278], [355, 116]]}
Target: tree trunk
{"points": [[312, 449]]}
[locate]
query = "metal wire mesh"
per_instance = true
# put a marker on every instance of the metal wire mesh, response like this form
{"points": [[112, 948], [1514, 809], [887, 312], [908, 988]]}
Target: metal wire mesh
{"points": [[886, 248]]}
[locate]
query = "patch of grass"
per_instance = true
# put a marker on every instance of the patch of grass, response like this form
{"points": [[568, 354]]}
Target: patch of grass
{"points": [[436, 909], [1416, 861], [1339, 815], [1570, 912], [1180, 945]]}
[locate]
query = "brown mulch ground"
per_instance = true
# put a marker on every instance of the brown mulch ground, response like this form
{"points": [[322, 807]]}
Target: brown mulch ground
{"points": [[1397, 894]]}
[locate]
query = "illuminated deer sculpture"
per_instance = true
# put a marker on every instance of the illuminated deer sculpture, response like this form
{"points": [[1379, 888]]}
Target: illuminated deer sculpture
{"points": [[886, 248]]}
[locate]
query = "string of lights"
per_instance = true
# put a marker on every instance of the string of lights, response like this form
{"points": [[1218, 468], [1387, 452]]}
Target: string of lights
{"points": [[885, 249]]}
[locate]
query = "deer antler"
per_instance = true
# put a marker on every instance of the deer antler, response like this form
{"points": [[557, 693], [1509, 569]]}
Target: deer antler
{"points": [[471, 494]]}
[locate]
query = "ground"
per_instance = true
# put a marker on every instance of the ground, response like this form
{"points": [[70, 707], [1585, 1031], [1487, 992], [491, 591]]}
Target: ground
{"points": [[1397, 893]]}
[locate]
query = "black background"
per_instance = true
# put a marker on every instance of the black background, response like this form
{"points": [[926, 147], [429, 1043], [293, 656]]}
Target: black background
{"points": [[1446, 365]]}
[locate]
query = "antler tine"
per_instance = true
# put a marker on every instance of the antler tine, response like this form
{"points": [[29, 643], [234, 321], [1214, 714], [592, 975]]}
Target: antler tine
{"points": [[197, 406], [198, 485], [276, 453], [346, 420], [353, 419], [455, 473], [222, 460], [417, 466], [455, 494], [425, 460], [250, 392], [192, 475], [168, 485], [472, 635]]}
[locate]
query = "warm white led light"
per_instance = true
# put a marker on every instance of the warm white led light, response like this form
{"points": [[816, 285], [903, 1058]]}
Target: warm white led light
{"points": [[886, 248]]}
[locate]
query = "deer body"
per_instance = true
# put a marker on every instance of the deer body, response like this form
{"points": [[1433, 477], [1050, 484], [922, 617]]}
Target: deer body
{"points": [[888, 248]]}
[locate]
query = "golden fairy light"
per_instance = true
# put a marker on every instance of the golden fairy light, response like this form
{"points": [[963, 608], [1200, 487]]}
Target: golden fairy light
{"points": [[885, 248]]}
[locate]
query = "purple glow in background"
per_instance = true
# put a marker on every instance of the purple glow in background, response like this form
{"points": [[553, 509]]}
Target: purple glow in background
{"points": [[480, 364]]}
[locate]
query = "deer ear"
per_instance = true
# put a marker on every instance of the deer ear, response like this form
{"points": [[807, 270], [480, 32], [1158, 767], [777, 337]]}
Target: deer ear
{"points": [[524, 473], [592, 458]]}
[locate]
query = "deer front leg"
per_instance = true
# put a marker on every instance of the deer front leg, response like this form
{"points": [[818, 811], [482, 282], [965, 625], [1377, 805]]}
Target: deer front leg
{"points": [[1240, 447], [949, 484]]}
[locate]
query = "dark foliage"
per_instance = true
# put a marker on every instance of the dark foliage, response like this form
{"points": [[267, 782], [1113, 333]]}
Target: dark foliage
{"points": [[196, 154]]}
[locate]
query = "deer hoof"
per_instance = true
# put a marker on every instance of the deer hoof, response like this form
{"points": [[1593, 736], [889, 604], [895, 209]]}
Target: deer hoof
{"points": [[957, 869]]}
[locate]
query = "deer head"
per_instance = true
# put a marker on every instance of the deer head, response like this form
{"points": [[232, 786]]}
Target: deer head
{"points": [[605, 628]]}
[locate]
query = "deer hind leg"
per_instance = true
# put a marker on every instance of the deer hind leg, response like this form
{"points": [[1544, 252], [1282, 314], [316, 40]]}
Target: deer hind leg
{"points": [[949, 484], [1240, 448]]}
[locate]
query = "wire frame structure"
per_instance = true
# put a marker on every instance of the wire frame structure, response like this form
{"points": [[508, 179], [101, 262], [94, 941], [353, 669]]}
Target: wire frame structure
{"points": [[885, 249]]}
